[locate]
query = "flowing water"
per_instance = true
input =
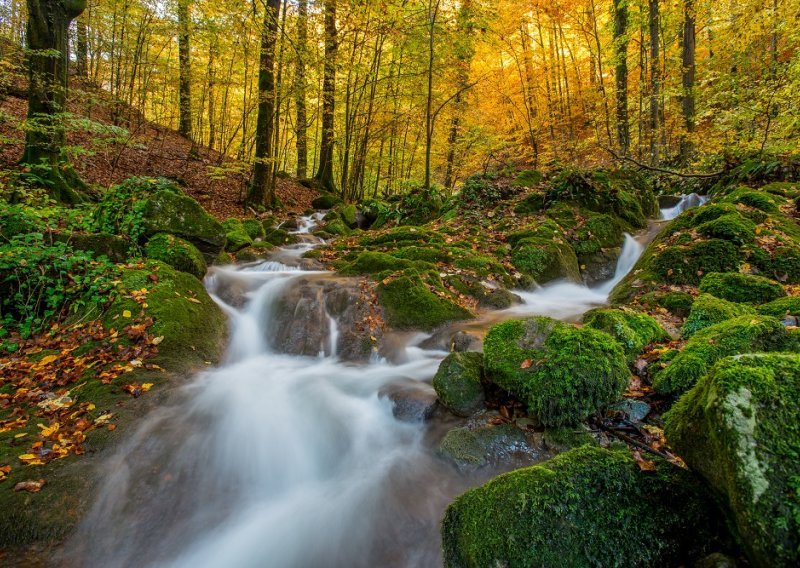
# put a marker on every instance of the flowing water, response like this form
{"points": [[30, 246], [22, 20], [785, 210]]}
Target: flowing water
{"points": [[272, 460]]}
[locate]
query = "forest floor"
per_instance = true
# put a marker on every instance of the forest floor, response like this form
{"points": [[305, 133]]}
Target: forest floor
{"points": [[110, 155]]}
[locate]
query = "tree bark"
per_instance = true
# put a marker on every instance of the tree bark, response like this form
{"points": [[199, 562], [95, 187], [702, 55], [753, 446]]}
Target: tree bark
{"points": [[48, 42], [621, 72], [325, 169], [654, 22], [82, 47], [688, 43], [301, 125], [433, 12], [262, 185], [184, 65]]}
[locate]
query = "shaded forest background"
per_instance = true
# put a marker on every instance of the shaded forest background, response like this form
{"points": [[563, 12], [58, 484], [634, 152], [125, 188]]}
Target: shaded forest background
{"points": [[422, 92]]}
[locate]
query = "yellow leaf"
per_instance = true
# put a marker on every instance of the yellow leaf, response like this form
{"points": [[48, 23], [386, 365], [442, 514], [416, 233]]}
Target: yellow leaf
{"points": [[146, 387], [126, 314], [157, 340], [47, 360], [194, 300], [48, 431]]}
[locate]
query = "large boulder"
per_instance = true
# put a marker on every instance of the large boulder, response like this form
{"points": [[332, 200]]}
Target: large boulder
{"points": [[563, 373], [170, 212], [586, 507], [546, 260], [459, 383], [744, 334], [743, 288], [708, 310], [739, 428], [236, 235], [418, 300], [633, 330], [178, 253]]}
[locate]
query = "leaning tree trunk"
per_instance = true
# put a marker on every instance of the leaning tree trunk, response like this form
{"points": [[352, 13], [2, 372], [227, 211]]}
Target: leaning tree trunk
{"points": [[325, 170], [262, 186], [48, 44]]}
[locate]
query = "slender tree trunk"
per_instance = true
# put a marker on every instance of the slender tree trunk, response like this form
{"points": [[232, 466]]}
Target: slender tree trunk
{"points": [[654, 22], [48, 42], [184, 65], [464, 54], [433, 12], [325, 167], [688, 44], [621, 72], [82, 46], [262, 185], [301, 125]]}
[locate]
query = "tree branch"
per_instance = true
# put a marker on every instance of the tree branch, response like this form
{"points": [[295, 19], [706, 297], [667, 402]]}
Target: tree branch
{"points": [[662, 170]]}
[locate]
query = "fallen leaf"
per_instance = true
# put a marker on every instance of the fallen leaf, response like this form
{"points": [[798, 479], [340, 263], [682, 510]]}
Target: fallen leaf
{"points": [[29, 486], [194, 300], [526, 364], [644, 465], [157, 340]]}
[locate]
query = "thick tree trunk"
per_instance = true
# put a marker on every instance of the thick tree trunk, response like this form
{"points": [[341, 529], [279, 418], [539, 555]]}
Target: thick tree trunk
{"points": [[325, 170], [688, 43], [654, 21], [301, 125], [262, 186], [621, 72], [184, 65], [48, 42]]}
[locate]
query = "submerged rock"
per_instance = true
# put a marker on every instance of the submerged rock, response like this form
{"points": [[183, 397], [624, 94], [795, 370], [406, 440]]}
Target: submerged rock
{"points": [[411, 401], [739, 428], [586, 507], [476, 446], [459, 383]]}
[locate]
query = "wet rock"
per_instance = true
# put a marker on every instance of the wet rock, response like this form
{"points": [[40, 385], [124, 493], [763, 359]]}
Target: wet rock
{"points": [[302, 326], [411, 401], [633, 410], [459, 383], [473, 447], [291, 224], [669, 201], [599, 267], [463, 342]]}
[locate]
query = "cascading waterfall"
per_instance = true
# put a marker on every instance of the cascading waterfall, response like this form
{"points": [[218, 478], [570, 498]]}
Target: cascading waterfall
{"points": [[288, 461]]}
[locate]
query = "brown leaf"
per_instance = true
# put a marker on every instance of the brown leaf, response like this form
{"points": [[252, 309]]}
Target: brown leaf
{"points": [[644, 465], [526, 364], [29, 486]]}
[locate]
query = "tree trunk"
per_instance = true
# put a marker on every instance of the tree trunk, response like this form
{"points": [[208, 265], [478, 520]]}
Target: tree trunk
{"points": [[262, 185], [82, 47], [301, 126], [184, 65], [325, 169], [621, 72], [48, 42], [654, 21], [688, 42], [464, 54], [433, 12]]}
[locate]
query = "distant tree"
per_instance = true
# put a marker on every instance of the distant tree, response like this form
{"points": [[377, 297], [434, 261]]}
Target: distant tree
{"points": [[621, 64], [688, 45], [301, 125], [325, 169], [184, 68], [45, 140]]}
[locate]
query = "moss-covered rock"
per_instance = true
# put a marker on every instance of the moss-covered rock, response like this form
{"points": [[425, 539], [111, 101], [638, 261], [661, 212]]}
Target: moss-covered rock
{"points": [[459, 383], [179, 254], [688, 263], [739, 428], [279, 237], [336, 227], [760, 200], [677, 303], [533, 203], [375, 262], [744, 334], [560, 440], [254, 228], [255, 252], [236, 237], [743, 288], [116, 249], [586, 507], [169, 212], [349, 215], [470, 448], [409, 303], [632, 330], [709, 310], [782, 307], [326, 201], [545, 260], [403, 236], [562, 373], [732, 227]]}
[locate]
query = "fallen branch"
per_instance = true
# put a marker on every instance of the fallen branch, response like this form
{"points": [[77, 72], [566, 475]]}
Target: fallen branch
{"points": [[662, 170], [633, 441]]}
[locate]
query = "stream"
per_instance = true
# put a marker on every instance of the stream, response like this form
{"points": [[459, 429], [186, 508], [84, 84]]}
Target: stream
{"points": [[295, 461]]}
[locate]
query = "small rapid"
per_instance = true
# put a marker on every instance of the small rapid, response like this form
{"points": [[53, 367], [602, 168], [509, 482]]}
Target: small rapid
{"points": [[290, 461]]}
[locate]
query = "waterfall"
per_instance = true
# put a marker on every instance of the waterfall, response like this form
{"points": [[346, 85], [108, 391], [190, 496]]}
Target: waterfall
{"points": [[686, 202]]}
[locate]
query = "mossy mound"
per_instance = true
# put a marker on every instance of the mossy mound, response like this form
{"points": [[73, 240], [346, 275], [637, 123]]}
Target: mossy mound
{"points": [[677, 303], [744, 334], [459, 383], [585, 507], [632, 330], [236, 236], [114, 248], [403, 236], [179, 215], [179, 254], [336, 227], [254, 228], [561, 372], [326, 201], [742, 288], [687, 263], [279, 237], [257, 251], [760, 200], [739, 428], [409, 302], [782, 307], [545, 260], [349, 215], [709, 310], [374, 263], [732, 227]]}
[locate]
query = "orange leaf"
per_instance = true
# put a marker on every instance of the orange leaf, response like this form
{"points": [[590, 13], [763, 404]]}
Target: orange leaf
{"points": [[526, 364]]}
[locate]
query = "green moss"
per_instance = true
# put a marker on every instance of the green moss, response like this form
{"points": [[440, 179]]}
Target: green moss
{"points": [[403, 236], [586, 507], [743, 288], [254, 228], [782, 261], [236, 237], [561, 372], [732, 227], [744, 334], [687, 264], [528, 178], [708, 310], [781, 307], [179, 254], [532, 203], [179, 215], [409, 302], [632, 330], [114, 248], [337, 227], [349, 215], [325, 201], [458, 383], [472, 448], [425, 254], [739, 428], [677, 303], [760, 200], [564, 439], [374, 263], [545, 260], [599, 231], [545, 230]]}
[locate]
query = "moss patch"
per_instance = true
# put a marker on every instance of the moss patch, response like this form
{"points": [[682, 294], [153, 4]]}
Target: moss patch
{"points": [[743, 288], [632, 330], [708, 310], [410, 302], [179, 254], [459, 383]]}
